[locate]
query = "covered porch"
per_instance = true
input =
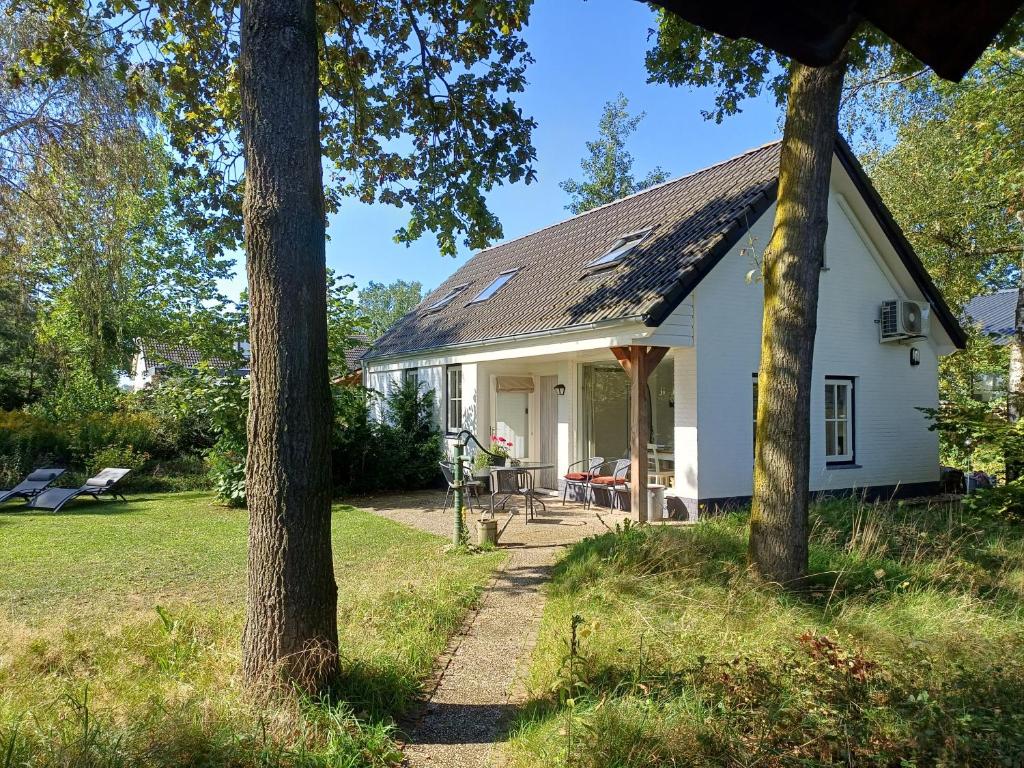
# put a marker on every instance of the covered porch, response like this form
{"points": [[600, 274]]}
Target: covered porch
{"points": [[630, 402]]}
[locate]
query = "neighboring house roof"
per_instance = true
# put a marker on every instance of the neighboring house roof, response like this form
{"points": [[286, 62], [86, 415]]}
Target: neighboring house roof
{"points": [[693, 222], [354, 355], [160, 355], [995, 313]]}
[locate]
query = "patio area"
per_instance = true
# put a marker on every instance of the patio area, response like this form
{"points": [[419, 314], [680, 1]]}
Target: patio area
{"points": [[559, 526]]}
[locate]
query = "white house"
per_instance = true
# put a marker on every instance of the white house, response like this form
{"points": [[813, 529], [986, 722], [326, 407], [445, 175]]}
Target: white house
{"points": [[518, 342], [152, 359]]}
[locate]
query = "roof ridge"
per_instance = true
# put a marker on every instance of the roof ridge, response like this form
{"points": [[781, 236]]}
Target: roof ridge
{"points": [[643, 191]]}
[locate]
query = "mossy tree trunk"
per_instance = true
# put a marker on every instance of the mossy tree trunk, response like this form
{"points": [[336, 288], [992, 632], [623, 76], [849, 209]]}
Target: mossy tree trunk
{"points": [[792, 266], [1015, 382], [290, 634]]}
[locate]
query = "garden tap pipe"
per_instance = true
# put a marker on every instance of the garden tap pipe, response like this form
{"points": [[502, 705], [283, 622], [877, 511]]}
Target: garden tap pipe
{"points": [[462, 439]]}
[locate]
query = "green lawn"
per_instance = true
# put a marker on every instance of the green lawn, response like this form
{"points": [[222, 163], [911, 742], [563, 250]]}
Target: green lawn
{"points": [[908, 651], [120, 626]]}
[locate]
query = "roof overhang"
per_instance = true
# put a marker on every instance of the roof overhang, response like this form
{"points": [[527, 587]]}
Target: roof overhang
{"points": [[947, 35]]}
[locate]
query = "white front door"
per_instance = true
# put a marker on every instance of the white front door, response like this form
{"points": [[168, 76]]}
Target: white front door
{"points": [[512, 420]]}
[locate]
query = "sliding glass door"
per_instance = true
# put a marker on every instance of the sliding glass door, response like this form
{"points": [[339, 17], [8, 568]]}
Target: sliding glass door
{"points": [[604, 409]]}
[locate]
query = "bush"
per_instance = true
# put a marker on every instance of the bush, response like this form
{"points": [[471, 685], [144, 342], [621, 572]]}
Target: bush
{"points": [[76, 395], [120, 456], [400, 452], [27, 441], [102, 431], [1003, 500]]}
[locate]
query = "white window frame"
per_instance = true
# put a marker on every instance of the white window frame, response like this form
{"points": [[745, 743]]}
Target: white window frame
{"points": [[453, 381], [839, 390]]}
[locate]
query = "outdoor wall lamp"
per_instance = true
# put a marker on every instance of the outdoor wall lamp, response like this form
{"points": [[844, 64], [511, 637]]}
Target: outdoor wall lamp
{"points": [[559, 389], [915, 356]]}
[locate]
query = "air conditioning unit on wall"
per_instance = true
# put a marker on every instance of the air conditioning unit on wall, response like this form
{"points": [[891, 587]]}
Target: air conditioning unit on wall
{"points": [[899, 320]]}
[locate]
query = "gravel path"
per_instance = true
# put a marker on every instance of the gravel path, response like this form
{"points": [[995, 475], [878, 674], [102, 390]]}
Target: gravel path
{"points": [[479, 679]]}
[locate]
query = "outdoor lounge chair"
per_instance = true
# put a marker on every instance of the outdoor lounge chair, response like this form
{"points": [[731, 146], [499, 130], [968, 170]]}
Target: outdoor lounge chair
{"points": [[32, 485], [103, 484]]}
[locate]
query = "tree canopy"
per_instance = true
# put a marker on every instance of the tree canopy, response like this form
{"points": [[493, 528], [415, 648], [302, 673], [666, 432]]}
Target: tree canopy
{"points": [[608, 166], [416, 100], [381, 305]]}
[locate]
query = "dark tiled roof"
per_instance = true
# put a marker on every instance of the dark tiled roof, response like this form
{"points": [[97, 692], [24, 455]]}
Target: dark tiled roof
{"points": [[693, 222], [159, 354], [690, 218], [354, 355], [994, 313]]}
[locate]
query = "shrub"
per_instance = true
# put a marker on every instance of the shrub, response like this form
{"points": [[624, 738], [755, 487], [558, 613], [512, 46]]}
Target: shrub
{"points": [[77, 394], [1003, 500], [99, 431], [121, 456], [181, 407], [26, 441], [226, 400], [399, 452]]}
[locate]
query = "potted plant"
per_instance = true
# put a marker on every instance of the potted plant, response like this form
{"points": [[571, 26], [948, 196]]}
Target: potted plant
{"points": [[501, 451]]}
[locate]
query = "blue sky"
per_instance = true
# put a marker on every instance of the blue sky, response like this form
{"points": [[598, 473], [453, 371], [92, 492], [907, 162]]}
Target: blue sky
{"points": [[585, 52]]}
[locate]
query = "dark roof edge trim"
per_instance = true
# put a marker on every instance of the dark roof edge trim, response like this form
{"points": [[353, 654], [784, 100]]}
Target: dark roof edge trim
{"points": [[682, 288], [899, 241]]}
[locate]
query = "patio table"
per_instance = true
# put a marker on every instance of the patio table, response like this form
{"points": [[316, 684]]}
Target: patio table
{"points": [[524, 467]]}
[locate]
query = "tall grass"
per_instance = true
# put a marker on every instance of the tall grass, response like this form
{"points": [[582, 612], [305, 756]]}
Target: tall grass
{"points": [[906, 649]]}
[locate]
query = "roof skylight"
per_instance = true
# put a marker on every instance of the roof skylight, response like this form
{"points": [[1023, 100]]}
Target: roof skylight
{"points": [[445, 300], [619, 250], [495, 286]]}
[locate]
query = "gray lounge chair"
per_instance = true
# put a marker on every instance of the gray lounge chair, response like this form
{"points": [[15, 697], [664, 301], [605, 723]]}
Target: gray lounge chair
{"points": [[32, 485], [103, 484]]}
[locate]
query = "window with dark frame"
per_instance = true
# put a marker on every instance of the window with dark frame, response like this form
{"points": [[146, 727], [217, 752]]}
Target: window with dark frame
{"points": [[453, 398], [447, 299], [496, 285], [839, 426], [410, 374], [619, 250]]}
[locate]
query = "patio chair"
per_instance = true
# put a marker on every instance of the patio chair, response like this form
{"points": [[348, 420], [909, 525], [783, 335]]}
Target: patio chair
{"points": [[581, 479], [660, 465], [471, 486], [611, 484], [515, 481], [37, 481], [103, 484]]}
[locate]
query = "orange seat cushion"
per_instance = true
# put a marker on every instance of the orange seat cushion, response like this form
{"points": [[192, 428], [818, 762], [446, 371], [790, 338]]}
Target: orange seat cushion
{"points": [[605, 480], [578, 476]]}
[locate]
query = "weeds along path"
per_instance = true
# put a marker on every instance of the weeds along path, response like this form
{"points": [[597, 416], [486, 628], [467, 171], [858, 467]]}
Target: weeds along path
{"points": [[478, 682]]}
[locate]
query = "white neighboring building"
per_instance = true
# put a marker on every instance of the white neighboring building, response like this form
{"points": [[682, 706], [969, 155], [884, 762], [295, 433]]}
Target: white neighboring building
{"points": [[154, 358], [518, 341]]}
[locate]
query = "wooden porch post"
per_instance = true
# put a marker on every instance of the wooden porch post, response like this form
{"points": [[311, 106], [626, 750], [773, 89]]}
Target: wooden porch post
{"points": [[638, 362]]}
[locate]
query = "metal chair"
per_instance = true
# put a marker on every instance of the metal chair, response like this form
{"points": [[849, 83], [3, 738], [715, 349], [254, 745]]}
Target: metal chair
{"points": [[613, 482], [472, 486], [514, 481], [582, 479]]}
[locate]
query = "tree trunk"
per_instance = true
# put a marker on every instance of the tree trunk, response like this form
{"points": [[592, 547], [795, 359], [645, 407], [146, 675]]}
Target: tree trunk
{"points": [[792, 266], [1015, 382], [291, 633]]}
